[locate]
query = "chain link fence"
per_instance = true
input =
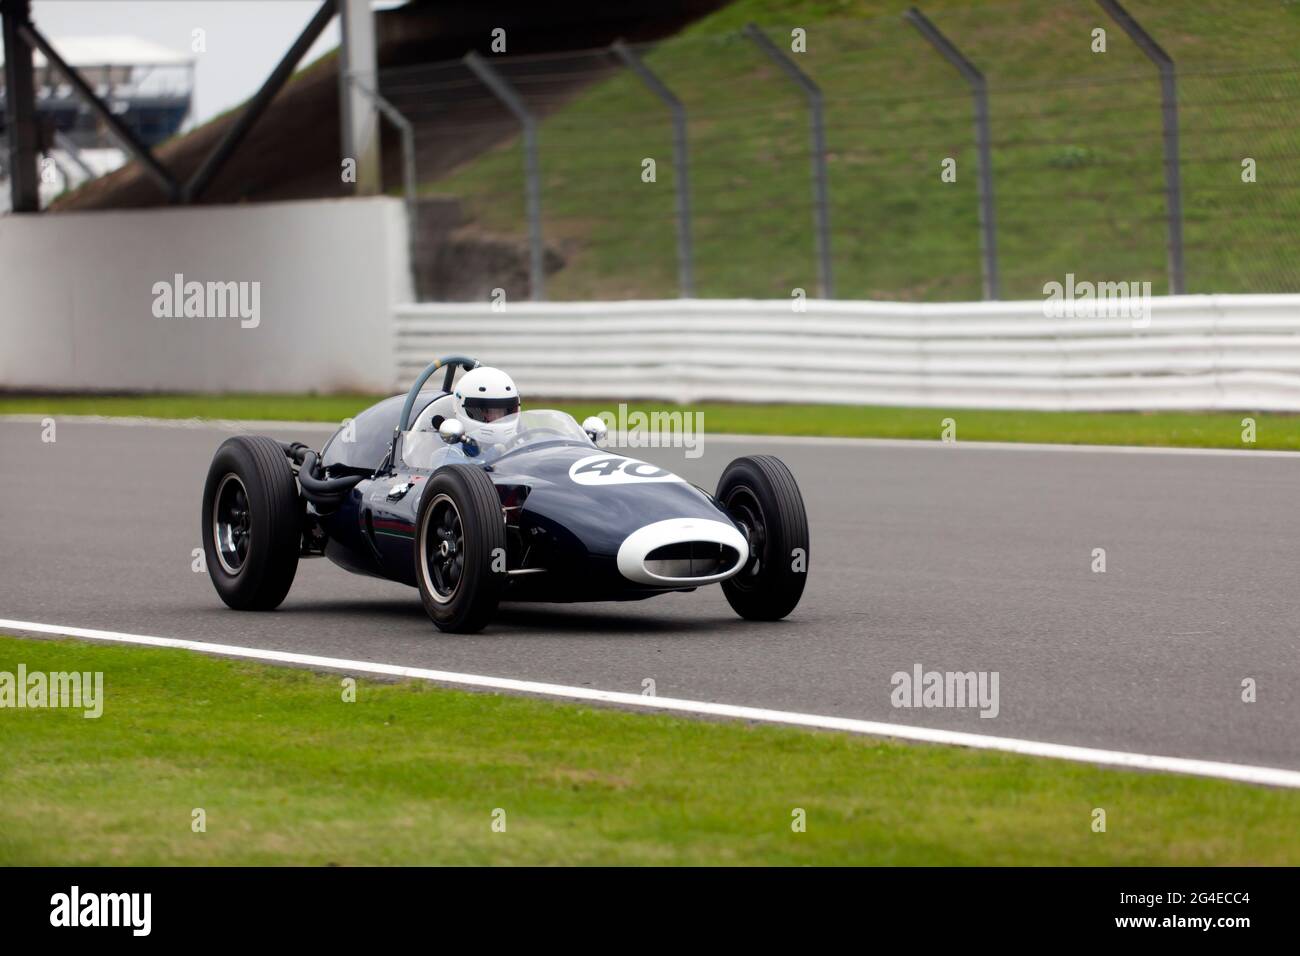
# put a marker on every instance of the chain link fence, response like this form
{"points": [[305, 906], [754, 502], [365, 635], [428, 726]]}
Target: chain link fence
{"points": [[727, 202]]}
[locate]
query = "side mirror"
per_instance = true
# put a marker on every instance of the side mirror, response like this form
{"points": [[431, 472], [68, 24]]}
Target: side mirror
{"points": [[451, 431], [595, 428]]}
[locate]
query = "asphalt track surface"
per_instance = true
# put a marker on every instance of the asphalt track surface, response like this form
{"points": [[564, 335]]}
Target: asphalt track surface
{"points": [[958, 558]]}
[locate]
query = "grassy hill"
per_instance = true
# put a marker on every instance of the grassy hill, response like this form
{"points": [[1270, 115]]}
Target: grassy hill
{"points": [[1077, 155]]}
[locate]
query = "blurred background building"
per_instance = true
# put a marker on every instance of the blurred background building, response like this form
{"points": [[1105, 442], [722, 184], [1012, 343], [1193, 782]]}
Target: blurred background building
{"points": [[149, 86]]}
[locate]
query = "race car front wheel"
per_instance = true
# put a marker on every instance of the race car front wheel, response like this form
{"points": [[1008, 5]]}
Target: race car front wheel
{"points": [[762, 498], [252, 523], [460, 548]]}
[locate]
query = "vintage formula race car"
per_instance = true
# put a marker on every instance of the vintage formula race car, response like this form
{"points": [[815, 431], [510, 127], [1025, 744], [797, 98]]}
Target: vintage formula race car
{"points": [[403, 492]]}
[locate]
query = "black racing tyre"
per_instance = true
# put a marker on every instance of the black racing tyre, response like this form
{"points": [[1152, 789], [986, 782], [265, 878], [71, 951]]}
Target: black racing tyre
{"points": [[761, 495], [252, 523], [460, 548]]}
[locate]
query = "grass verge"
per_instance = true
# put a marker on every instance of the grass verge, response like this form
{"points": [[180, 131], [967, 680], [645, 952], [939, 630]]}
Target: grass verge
{"points": [[288, 773], [1177, 429]]}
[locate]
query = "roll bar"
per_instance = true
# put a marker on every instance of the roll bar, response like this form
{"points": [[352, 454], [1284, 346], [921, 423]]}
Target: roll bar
{"points": [[450, 363]]}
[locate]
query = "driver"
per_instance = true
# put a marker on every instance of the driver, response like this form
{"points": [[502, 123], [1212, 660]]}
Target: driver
{"points": [[484, 397]]}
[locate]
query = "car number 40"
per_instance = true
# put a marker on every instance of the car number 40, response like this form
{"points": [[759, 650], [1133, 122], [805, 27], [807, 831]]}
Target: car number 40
{"points": [[616, 470]]}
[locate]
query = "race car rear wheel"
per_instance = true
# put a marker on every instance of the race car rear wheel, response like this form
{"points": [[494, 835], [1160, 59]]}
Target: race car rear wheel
{"points": [[761, 496], [252, 523], [460, 548]]}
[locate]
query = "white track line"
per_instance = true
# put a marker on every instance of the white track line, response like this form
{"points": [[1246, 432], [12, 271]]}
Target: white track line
{"points": [[1244, 773], [726, 438]]}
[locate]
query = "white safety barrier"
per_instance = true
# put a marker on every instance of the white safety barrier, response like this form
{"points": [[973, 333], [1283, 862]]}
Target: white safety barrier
{"points": [[1213, 351]]}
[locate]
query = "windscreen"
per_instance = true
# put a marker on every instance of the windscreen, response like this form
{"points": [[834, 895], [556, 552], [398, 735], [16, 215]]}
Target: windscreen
{"points": [[422, 447]]}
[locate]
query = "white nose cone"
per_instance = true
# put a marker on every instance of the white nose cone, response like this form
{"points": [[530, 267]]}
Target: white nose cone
{"points": [[705, 551]]}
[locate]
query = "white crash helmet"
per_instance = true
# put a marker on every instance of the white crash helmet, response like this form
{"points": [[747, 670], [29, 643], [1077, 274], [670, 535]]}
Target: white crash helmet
{"points": [[483, 397]]}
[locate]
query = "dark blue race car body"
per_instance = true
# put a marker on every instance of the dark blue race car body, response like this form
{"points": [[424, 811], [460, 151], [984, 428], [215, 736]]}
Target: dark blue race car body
{"points": [[529, 509], [563, 536]]}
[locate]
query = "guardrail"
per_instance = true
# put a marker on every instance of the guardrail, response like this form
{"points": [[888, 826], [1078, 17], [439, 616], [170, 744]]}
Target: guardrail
{"points": [[1228, 352]]}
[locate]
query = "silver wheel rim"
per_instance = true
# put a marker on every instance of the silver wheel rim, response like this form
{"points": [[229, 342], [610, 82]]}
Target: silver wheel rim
{"points": [[232, 526], [743, 506], [442, 549]]}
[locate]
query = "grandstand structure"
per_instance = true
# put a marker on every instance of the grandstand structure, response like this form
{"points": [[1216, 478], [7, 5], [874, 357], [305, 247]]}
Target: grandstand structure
{"points": [[149, 88]]}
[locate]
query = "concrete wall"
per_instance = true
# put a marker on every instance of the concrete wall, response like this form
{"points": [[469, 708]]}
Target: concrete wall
{"points": [[77, 299]]}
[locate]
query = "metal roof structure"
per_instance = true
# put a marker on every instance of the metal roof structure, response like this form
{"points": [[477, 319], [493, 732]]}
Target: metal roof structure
{"points": [[111, 51], [80, 60]]}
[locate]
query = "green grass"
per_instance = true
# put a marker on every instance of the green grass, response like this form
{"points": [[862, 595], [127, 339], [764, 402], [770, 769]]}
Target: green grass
{"points": [[1076, 154], [1177, 429], [288, 773]]}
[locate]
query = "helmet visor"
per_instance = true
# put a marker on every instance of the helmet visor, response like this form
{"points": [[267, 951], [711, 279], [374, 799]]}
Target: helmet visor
{"points": [[490, 409]]}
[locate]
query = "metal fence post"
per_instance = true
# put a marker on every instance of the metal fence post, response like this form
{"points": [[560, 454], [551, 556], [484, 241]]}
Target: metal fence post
{"points": [[821, 202], [979, 91], [23, 133], [495, 82], [358, 121], [407, 131], [681, 164], [1169, 118]]}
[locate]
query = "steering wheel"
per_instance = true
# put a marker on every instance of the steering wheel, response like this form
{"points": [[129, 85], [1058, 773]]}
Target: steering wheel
{"points": [[541, 429], [528, 435]]}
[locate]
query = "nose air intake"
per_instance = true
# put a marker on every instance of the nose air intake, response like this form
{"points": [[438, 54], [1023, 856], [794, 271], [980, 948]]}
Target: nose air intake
{"points": [[682, 551], [690, 559]]}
